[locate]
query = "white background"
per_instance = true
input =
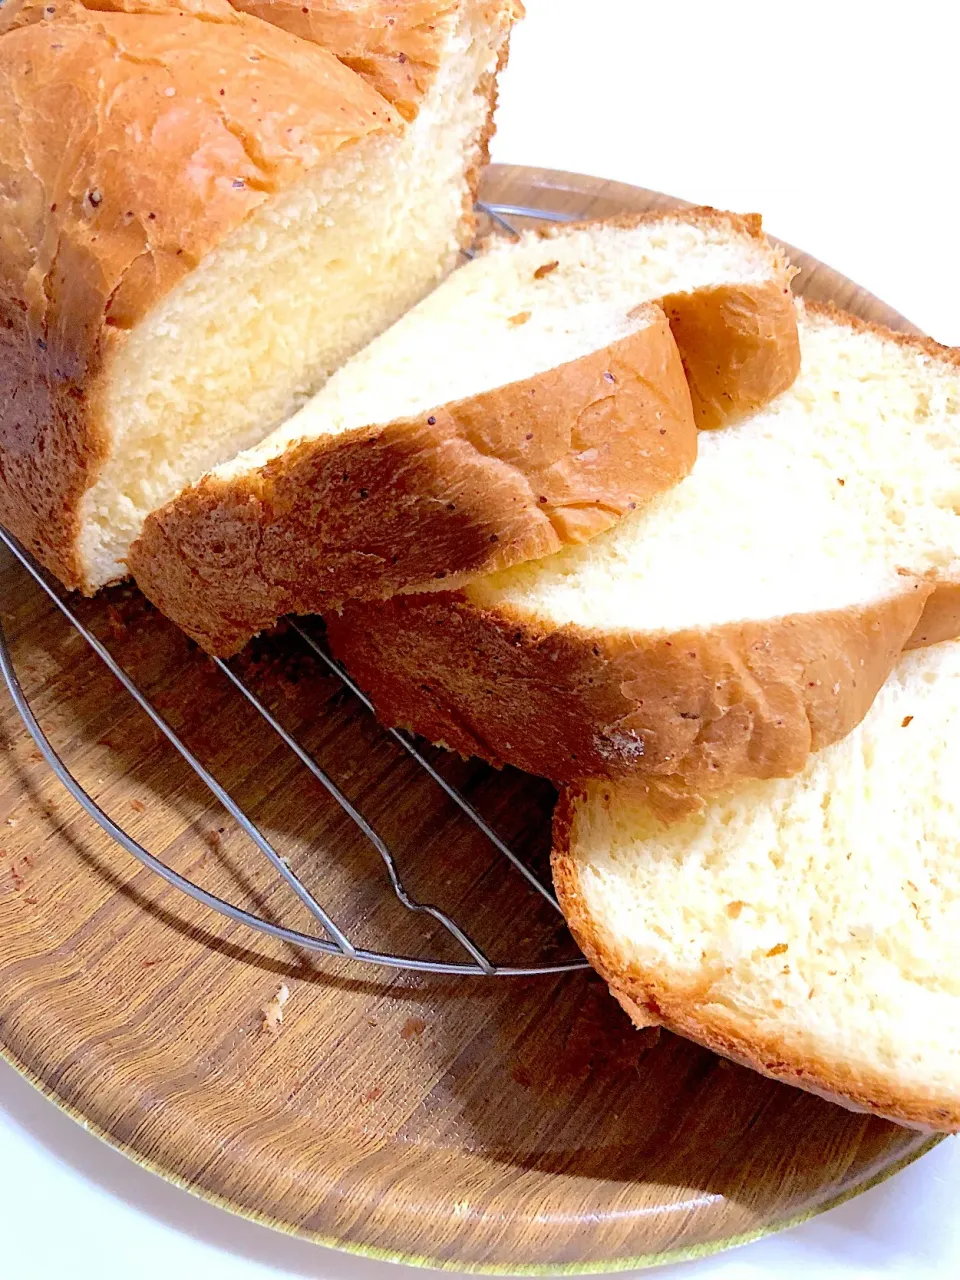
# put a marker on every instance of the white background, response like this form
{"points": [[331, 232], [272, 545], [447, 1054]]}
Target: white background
{"points": [[839, 122]]}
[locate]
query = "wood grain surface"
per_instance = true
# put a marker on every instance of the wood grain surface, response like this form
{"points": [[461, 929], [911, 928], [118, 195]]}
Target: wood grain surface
{"points": [[474, 1122]]}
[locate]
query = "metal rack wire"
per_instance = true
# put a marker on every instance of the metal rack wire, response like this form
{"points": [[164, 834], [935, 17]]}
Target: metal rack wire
{"points": [[335, 942]]}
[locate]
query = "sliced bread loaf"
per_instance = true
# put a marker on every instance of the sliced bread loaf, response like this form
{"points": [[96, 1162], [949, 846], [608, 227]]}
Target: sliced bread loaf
{"points": [[202, 217], [527, 404], [737, 622], [809, 927]]}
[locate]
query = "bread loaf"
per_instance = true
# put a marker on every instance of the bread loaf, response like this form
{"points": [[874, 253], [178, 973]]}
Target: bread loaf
{"points": [[738, 622], [203, 216], [806, 927], [527, 404]]}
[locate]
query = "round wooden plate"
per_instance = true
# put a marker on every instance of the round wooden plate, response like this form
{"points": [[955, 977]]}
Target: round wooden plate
{"points": [[476, 1123]]}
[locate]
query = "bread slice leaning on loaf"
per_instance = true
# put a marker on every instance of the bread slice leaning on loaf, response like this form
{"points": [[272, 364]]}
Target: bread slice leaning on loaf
{"points": [[526, 405], [808, 927], [735, 624], [203, 216]]}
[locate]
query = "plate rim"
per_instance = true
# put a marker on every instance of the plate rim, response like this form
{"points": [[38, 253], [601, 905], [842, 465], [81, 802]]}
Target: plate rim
{"points": [[642, 1262]]}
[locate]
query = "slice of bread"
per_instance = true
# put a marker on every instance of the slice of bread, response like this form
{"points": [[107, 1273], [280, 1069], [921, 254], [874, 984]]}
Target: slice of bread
{"points": [[527, 404], [203, 216], [736, 623], [809, 927]]}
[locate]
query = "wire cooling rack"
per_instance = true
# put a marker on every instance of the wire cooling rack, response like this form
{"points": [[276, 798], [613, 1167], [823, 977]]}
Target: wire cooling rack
{"points": [[334, 940]]}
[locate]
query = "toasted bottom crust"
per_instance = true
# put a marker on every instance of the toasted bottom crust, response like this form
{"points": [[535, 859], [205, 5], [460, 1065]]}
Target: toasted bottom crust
{"points": [[511, 474], [650, 1002], [683, 714]]}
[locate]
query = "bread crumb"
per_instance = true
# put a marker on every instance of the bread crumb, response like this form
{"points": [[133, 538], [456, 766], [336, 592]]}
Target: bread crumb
{"points": [[137, 805], [412, 1028], [12, 822], [545, 270], [905, 721], [273, 1010], [734, 908], [461, 1208], [520, 318], [778, 950]]}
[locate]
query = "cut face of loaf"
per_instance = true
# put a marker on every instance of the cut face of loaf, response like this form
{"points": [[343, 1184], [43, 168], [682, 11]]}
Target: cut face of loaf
{"points": [[809, 927], [735, 623], [205, 217], [527, 404]]}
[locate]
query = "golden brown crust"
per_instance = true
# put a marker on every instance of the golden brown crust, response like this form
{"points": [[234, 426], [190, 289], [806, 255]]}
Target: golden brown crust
{"points": [[739, 343], [941, 617], [394, 44], [755, 327], [94, 231], [682, 713], [510, 474], [650, 1002]]}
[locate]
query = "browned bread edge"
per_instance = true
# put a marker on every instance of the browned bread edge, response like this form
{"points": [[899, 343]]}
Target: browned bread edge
{"points": [[650, 1002], [682, 713]]}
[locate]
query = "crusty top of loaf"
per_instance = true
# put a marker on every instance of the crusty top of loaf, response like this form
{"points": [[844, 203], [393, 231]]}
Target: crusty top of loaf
{"points": [[394, 44], [100, 111]]}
